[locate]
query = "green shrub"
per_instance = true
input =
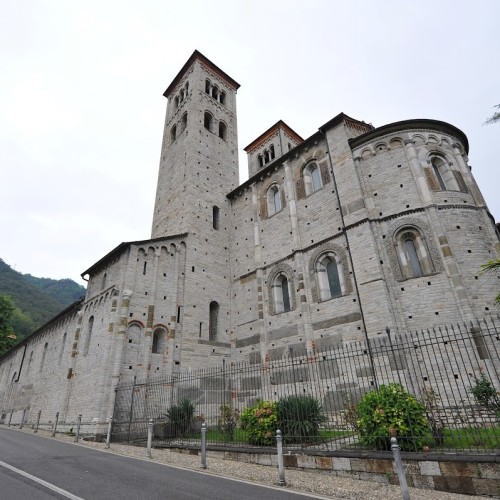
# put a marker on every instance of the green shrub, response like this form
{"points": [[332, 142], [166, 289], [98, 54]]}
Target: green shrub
{"points": [[227, 421], [299, 418], [180, 418], [260, 422], [485, 394], [392, 412]]}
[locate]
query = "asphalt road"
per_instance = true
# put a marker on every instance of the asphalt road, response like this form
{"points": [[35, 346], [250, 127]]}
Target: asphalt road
{"points": [[37, 468]]}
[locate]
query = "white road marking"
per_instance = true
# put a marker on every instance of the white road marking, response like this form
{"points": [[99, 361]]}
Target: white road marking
{"points": [[51, 486]]}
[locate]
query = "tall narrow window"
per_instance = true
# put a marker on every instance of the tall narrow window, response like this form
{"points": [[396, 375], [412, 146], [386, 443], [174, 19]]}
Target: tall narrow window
{"points": [[144, 268], [222, 98], [215, 92], [281, 294], [207, 120], [176, 102], [63, 344], [184, 121], [411, 252], [104, 278], [173, 133], [261, 160], [213, 320], [329, 276], [312, 178], [90, 327], [215, 217], [286, 295], [273, 200], [438, 175], [271, 151], [158, 341], [266, 156], [222, 130], [44, 354], [207, 86]]}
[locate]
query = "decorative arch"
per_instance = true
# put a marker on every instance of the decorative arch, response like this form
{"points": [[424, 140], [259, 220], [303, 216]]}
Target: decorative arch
{"points": [[411, 249], [208, 121], [280, 281], [159, 342], [320, 289]]}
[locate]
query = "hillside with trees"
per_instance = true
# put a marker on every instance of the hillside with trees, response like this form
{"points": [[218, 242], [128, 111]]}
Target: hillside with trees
{"points": [[35, 300]]}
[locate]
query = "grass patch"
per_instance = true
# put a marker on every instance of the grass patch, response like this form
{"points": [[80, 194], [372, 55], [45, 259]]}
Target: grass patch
{"points": [[472, 438]]}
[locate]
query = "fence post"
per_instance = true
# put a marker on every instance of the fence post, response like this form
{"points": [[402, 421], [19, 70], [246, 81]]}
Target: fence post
{"points": [[150, 436], [108, 438], [10, 417], [77, 436], [22, 419], [55, 425], [203, 460], [38, 420], [281, 468], [399, 468]]}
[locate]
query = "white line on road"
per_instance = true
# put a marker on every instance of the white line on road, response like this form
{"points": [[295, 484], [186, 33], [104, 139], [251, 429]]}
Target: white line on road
{"points": [[51, 486]]}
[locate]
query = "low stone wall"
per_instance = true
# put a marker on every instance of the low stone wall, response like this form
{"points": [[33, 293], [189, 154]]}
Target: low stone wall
{"points": [[465, 474]]}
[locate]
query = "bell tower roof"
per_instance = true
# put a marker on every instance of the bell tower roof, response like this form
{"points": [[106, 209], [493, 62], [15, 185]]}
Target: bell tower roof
{"points": [[198, 56]]}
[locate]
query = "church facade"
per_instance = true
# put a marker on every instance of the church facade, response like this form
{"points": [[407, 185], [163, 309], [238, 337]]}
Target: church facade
{"points": [[332, 239]]}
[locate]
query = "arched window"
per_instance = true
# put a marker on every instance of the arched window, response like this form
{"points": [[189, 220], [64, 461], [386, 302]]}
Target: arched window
{"points": [[215, 92], [44, 354], [413, 255], [207, 86], [222, 98], [159, 341], [90, 327], [182, 94], [444, 174], [271, 151], [215, 217], [176, 102], [103, 284], [266, 156], [184, 121], [207, 121], [329, 276], [222, 130], [144, 268], [186, 87], [261, 160], [173, 133], [281, 294], [312, 178], [213, 320], [273, 200]]}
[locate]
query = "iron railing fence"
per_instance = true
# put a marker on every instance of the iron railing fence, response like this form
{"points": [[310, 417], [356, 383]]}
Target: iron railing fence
{"points": [[443, 368]]}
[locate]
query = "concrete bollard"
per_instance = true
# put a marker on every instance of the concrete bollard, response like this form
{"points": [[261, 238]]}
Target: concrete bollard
{"points": [[281, 467], [203, 458], [10, 417], [396, 450], [54, 430], [38, 420], [108, 437], [79, 423], [150, 436], [21, 425]]}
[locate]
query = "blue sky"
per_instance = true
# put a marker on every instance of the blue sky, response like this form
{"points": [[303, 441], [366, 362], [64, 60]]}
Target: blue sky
{"points": [[81, 105]]}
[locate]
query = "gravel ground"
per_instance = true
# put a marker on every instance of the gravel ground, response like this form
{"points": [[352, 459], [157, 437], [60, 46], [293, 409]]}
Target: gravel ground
{"points": [[312, 482]]}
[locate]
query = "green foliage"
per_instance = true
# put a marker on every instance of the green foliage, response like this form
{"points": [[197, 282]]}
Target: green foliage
{"points": [[299, 418], [180, 419], [228, 421], [492, 266], [392, 412], [485, 394], [36, 300], [260, 422], [7, 336], [430, 399]]}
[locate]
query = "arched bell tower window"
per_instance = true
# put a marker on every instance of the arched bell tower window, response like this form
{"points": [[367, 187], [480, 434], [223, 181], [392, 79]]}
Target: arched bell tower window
{"points": [[215, 92], [273, 199], [184, 121], [208, 121], [213, 320], [222, 98], [271, 151], [222, 130], [207, 86], [261, 160]]}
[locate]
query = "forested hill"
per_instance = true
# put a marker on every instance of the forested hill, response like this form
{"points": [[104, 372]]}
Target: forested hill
{"points": [[37, 300]]}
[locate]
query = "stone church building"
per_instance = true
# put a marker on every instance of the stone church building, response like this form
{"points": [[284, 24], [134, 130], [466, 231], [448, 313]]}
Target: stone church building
{"points": [[332, 239]]}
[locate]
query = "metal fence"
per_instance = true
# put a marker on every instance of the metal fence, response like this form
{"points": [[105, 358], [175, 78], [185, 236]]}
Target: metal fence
{"points": [[453, 372]]}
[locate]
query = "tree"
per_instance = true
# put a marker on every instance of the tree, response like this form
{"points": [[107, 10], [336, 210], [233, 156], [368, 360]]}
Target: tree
{"points": [[495, 117], [492, 265], [7, 335]]}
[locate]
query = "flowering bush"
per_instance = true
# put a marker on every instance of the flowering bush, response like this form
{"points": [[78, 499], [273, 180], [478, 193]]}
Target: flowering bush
{"points": [[392, 412], [260, 422]]}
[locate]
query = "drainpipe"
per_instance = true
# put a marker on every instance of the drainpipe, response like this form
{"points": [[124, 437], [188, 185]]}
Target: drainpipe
{"points": [[22, 361], [363, 322]]}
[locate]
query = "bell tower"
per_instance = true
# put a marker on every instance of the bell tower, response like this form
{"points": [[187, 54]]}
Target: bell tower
{"points": [[199, 155]]}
